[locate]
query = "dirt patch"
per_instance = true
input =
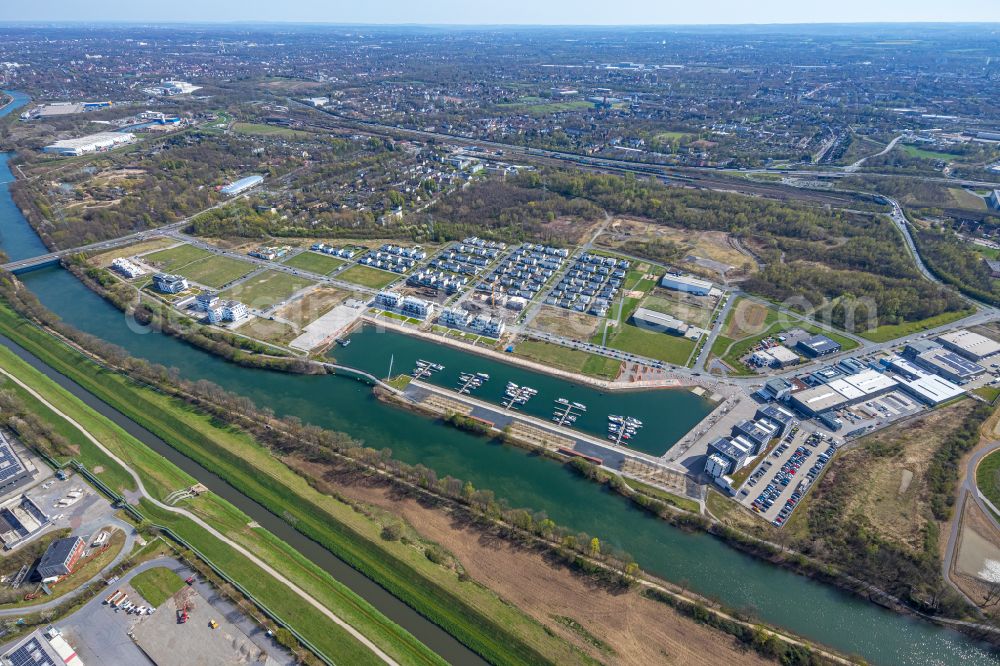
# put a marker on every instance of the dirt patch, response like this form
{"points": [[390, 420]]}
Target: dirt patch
{"points": [[569, 229], [313, 305], [877, 469], [904, 481], [746, 319], [105, 258], [977, 557], [98, 469], [636, 629], [268, 330], [559, 321], [715, 246]]}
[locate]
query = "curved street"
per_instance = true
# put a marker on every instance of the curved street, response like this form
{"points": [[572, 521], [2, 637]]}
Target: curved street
{"points": [[130, 535], [967, 488], [361, 638]]}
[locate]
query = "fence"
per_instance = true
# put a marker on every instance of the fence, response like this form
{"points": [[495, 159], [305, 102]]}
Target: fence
{"points": [[120, 502]]}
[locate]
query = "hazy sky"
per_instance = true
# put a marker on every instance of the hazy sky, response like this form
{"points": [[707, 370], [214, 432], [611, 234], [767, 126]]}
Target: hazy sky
{"points": [[505, 11]]}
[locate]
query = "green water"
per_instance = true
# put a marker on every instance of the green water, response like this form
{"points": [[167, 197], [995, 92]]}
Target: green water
{"points": [[667, 414], [703, 563]]}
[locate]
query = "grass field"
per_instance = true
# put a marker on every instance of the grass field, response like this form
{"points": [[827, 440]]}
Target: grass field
{"points": [[661, 346], [368, 277], [314, 262], [692, 310], [538, 106], [270, 130], [265, 289], [564, 358], [160, 477], [893, 331], [473, 614], [171, 259], [156, 585], [748, 323], [913, 151], [988, 477]]}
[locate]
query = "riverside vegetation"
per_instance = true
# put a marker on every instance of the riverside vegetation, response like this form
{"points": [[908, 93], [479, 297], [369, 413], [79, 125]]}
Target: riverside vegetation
{"points": [[300, 504]]}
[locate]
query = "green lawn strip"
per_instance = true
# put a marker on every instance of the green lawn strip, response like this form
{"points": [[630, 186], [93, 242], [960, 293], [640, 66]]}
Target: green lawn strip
{"points": [[271, 130], [215, 271], [987, 393], [154, 468], [285, 493], [328, 637], [367, 276], [314, 262], [266, 289], [988, 477], [893, 331], [676, 500], [156, 585], [564, 358], [662, 346], [171, 259]]}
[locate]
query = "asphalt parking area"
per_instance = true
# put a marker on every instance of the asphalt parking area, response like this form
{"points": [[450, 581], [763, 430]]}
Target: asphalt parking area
{"points": [[783, 477]]}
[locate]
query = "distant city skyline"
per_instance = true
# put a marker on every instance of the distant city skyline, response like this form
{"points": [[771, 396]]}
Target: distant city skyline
{"points": [[512, 12]]}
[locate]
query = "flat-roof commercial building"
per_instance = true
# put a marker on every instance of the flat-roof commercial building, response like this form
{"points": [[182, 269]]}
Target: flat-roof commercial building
{"points": [[818, 345], [241, 185], [931, 389], [971, 345], [42, 649], [659, 322], [949, 364], [92, 143], [14, 473], [687, 284], [842, 392], [60, 557]]}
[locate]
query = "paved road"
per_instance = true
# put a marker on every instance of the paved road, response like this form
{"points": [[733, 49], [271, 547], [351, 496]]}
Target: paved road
{"points": [[361, 638], [130, 535], [966, 489], [857, 165]]}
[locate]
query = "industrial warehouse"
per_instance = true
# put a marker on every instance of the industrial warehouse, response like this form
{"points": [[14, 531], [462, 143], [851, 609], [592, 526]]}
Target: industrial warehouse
{"points": [[92, 143]]}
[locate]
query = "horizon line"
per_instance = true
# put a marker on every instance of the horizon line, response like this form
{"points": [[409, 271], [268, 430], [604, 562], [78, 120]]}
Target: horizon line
{"points": [[362, 24]]}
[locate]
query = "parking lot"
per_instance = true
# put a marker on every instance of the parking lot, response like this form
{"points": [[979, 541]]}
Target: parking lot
{"points": [[103, 635], [783, 477]]}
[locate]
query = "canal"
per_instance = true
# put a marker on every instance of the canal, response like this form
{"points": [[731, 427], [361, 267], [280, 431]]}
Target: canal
{"points": [[703, 563]]}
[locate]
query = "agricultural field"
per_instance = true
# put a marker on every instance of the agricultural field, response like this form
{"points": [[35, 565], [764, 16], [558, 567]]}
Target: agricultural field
{"points": [[368, 277], [267, 289], [314, 262], [571, 360]]}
